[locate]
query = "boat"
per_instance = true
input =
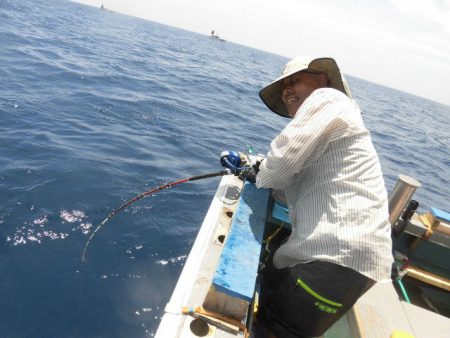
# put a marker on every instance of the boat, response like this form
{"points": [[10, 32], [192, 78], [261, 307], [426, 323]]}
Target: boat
{"points": [[217, 292], [214, 35], [103, 8]]}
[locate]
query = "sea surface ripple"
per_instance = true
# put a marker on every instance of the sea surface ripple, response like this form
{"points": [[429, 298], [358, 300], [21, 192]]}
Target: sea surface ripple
{"points": [[97, 107]]}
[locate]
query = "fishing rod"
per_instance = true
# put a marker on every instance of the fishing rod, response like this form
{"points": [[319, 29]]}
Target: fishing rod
{"points": [[147, 193]]}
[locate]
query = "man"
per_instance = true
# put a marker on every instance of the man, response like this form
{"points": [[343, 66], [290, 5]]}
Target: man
{"points": [[325, 162]]}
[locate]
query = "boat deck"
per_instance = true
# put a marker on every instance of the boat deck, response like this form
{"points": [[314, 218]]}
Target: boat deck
{"points": [[379, 313]]}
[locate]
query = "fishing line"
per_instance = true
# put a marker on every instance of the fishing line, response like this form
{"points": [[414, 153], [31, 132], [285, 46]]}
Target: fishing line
{"points": [[147, 193]]}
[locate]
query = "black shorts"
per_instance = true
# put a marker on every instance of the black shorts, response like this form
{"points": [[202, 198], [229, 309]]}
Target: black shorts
{"points": [[306, 300]]}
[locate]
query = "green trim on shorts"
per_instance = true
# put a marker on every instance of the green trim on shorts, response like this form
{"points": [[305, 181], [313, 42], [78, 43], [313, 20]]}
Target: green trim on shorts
{"points": [[315, 294], [325, 308]]}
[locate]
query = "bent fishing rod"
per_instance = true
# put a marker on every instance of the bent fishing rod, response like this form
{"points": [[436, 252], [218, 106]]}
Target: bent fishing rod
{"points": [[147, 193]]}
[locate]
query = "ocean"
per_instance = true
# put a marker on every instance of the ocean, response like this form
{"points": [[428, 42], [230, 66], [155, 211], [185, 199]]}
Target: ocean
{"points": [[97, 107]]}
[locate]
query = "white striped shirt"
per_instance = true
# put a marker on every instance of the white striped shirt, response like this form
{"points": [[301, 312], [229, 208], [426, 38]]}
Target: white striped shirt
{"points": [[325, 162]]}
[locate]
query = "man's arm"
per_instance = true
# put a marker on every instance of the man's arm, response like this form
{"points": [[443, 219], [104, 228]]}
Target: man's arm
{"points": [[305, 138]]}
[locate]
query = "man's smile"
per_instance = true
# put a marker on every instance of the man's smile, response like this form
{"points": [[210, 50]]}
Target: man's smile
{"points": [[291, 99]]}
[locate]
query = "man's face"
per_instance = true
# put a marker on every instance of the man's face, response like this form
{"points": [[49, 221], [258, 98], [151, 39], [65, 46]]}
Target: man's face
{"points": [[297, 87]]}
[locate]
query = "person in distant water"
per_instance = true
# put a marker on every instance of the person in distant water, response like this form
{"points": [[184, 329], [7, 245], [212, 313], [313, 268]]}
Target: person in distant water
{"points": [[325, 162]]}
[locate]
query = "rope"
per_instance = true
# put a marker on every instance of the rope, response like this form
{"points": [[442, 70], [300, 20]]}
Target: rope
{"points": [[268, 239], [429, 226]]}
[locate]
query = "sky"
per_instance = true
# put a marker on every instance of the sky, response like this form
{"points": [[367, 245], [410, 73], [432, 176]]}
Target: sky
{"points": [[402, 44]]}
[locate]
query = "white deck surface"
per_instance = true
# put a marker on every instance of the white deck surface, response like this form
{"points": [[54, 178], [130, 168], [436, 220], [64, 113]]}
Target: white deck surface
{"points": [[380, 313]]}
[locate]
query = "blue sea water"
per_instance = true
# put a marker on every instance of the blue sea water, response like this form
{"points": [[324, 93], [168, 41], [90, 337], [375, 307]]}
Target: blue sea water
{"points": [[96, 107]]}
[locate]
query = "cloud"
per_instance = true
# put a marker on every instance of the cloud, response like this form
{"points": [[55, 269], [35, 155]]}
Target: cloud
{"points": [[432, 11]]}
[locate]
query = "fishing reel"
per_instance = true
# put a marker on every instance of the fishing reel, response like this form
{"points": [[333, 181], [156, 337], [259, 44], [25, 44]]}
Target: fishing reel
{"points": [[233, 161], [240, 165]]}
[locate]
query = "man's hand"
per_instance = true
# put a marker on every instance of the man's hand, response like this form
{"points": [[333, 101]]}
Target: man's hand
{"points": [[249, 173]]}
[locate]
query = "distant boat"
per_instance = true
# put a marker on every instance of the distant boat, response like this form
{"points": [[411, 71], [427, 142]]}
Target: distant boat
{"points": [[214, 35], [103, 8]]}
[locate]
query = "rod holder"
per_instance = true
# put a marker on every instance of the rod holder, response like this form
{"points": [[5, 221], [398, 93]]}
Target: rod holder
{"points": [[403, 220], [400, 196]]}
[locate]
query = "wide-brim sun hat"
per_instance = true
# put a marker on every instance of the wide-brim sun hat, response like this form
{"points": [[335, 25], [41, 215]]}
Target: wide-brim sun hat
{"points": [[271, 95]]}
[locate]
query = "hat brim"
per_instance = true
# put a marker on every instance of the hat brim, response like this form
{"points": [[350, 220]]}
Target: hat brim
{"points": [[271, 95]]}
